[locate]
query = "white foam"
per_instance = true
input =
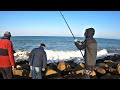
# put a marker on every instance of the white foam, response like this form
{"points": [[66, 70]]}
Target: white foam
{"points": [[57, 56], [63, 55], [102, 53], [21, 55]]}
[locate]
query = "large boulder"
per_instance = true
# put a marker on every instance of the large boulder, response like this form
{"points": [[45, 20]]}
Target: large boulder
{"points": [[63, 66]]}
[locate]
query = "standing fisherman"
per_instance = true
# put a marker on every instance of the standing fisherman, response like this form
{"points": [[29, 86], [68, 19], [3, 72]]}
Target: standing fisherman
{"points": [[90, 46]]}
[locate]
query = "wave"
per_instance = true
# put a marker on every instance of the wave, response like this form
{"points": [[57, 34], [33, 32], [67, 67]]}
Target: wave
{"points": [[56, 56]]}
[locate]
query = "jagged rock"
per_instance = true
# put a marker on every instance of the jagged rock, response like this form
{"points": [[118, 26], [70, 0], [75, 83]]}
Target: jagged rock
{"points": [[50, 71], [107, 68], [113, 71], [80, 66], [25, 73], [26, 67], [93, 73], [100, 70], [108, 61], [111, 64], [17, 72], [71, 63], [116, 58], [52, 66], [63, 66], [80, 72], [51, 74], [20, 62], [102, 65], [100, 60], [118, 68]]}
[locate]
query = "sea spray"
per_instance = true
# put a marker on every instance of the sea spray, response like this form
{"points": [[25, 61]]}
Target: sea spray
{"points": [[57, 56]]}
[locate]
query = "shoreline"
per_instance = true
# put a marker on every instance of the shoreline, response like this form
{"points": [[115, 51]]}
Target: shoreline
{"points": [[106, 68]]}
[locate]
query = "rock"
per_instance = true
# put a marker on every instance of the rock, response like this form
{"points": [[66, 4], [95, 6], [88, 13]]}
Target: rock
{"points": [[71, 63], [26, 67], [72, 76], [18, 67], [112, 69], [50, 72], [52, 66], [108, 58], [80, 66], [111, 64], [108, 61], [93, 73], [109, 76], [118, 68], [25, 73], [80, 72], [100, 70], [63, 66], [102, 65], [17, 72]]}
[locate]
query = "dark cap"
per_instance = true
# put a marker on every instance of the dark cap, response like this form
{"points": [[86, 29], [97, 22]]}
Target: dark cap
{"points": [[42, 44], [7, 33], [89, 32]]}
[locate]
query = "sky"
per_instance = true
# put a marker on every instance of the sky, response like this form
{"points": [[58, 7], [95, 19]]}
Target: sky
{"points": [[51, 23]]}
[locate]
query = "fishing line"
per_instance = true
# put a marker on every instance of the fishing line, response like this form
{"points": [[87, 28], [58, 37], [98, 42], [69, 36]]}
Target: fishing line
{"points": [[70, 30]]}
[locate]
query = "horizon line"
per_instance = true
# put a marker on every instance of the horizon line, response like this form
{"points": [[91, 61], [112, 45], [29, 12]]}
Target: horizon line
{"points": [[64, 36]]}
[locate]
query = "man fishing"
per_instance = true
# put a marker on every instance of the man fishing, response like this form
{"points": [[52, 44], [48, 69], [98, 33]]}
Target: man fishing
{"points": [[90, 47]]}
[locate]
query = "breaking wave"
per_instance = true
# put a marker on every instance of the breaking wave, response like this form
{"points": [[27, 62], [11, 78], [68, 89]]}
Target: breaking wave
{"points": [[57, 56]]}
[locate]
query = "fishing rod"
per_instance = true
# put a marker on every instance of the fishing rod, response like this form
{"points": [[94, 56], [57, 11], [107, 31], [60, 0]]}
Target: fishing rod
{"points": [[67, 24], [70, 29]]}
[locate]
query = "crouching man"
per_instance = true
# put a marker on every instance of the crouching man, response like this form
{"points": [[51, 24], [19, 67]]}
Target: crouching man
{"points": [[38, 61]]}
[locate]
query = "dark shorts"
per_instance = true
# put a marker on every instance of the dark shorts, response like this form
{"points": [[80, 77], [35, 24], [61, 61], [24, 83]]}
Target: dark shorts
{"points": [[7, 72]]}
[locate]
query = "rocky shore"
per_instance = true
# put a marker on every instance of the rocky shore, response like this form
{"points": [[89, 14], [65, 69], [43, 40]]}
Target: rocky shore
{"points": [[106, 68]]}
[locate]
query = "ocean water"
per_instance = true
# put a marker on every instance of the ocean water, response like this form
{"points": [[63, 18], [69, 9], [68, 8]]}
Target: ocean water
{"points": [[61, 43], [61, 48]]}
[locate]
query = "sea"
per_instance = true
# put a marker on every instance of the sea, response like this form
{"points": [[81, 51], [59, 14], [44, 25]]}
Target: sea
{"points": [[59, 48]]}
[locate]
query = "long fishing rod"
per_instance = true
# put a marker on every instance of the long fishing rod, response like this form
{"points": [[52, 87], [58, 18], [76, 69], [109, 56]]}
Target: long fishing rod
{"points": [[67, 24], [70, 30]]}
